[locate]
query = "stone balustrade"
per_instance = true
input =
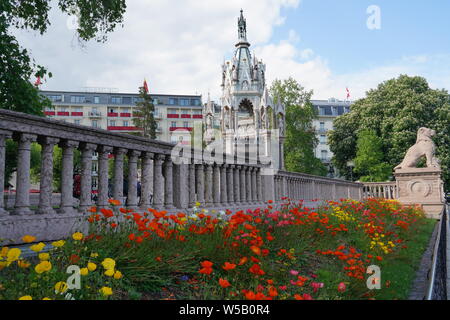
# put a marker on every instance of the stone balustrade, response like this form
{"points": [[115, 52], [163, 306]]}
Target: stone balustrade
{"points": [[299, 186], [386, 190], [171, 183]]}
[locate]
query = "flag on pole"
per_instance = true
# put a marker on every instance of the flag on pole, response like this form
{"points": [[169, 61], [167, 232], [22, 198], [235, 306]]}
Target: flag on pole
{"points": [[348, 94], [38, 81], [145, 86]]}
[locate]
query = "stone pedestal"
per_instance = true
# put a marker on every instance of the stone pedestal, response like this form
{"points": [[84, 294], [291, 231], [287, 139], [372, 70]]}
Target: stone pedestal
{"points": [[421, 186]]}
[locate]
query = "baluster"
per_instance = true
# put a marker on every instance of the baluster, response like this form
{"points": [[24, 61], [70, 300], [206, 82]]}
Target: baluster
{"points": [[230, 185], [237, 185], [254, 191], [46, 183], [103, 181], [67, 201], [223, 185], [209, 185], [158, 182], [87, 150], [168, 178], [132, 196], [3, 136], [243, 184], [200, 171], [259, 186], [146, 181], [192, 184], [119, 154], [216, 185]]}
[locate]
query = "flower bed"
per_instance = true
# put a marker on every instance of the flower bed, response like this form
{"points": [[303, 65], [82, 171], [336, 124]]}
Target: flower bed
{"points": [[291, 253]]}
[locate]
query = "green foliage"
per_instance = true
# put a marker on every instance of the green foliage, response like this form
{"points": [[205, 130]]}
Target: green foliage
{"points": [[369, 158], [144, 115], [300, 134], [395, 111], [96, 19]]}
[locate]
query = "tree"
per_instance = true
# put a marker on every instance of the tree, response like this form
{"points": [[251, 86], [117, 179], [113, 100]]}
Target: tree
{"points": [[95, 19], [300, 134], [395, 110], [144, 115], [369, 158]]}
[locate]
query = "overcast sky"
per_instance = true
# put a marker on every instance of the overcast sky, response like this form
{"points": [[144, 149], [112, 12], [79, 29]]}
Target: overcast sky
{"points": [[179, 45]]}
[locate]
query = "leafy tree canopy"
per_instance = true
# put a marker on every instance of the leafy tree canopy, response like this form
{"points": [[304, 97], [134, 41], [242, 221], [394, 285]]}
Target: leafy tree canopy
{"points": [[300, 134], [394, 111]]}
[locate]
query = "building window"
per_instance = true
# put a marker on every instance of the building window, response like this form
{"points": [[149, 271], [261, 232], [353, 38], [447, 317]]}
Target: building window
{"points": [[321, 111], [195, 102], [155, 101], [55, 98], [324, 155], [125, 110], [172, 111], [78, 99], [126, 124], [62, 109], [94, 123], [322, 126], [112, 123], [346, 109], [76, 121], [112, 110], [96, 100], [335, 111], [116, 100], [173, 101], [78, 109], [197, 112], [185, 124], [184, 102], [323, 139], [173, 124]]}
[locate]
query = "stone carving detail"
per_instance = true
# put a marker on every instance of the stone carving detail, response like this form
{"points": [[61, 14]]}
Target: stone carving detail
{"points": [[419, 188], [423, 147]]}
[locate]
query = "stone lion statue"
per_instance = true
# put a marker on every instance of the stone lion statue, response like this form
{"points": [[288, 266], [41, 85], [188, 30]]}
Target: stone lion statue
{"points": [[423, 147]]}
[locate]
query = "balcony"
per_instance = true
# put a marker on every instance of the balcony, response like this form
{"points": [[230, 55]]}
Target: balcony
{"points": [[173, 116], [125, 115], [50, 113], [63, 114], [113, 114], [76, 114], [197, 116], [180, 129], [95, 114], [117, 128], [185, 116]]}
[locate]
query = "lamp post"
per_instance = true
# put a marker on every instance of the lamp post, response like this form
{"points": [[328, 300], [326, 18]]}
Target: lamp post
{"points": [[351, 165]]}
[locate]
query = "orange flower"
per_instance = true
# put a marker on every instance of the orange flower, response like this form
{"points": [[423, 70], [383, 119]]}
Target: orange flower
{"points": [[224, 283], [206, 264], [107, 213], [207, 271], [243, 261], [273, 292], [93, 209], [131, 237], [114, 202], [113, 225], [256, 250], [228, 266], [256, 269]]}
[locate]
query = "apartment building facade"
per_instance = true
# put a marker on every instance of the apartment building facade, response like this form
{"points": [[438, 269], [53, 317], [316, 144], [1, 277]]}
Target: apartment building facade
{"points": [[175, 114], [328, 111]]}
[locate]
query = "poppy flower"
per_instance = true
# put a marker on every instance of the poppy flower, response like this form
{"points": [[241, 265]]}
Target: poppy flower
{"points": [[243, 260], [224, 283], [206, 264], [228, 266], [256, 250], [206, 271]]}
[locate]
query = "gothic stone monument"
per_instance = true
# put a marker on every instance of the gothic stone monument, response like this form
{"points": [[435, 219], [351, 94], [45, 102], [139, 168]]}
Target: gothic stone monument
{"points": [[421, 186], [249, 116]]}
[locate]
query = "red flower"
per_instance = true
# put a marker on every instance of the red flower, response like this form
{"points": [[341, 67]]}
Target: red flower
{"points": [[206, 264], [256, 250], [228, 266], [243, 261], [342, 287], [256, 269], [224, 283], [74, 259], [131, 237], [207, 271]]}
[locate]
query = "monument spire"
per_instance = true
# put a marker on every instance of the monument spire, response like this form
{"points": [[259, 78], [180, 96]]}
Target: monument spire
{"points": [[242, 28]]}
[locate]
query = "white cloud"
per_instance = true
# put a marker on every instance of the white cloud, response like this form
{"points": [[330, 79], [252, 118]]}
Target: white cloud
{"points": [[179, 46]]}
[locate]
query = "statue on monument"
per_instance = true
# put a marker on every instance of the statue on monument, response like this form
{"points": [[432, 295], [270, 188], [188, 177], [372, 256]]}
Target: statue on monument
{"points": [[424, 147]]}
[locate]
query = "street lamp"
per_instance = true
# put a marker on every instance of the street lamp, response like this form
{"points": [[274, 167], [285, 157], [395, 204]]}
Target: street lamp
{"points": [[351, 165]]}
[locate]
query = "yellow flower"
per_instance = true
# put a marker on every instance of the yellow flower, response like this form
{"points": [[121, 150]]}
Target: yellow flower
{"points": [[58, 244], [46, 299], [23, 264], [77, 236], [28, 239], [26, 298], [84, 271], [108, 263], [94, 255], [109, 272], [106, 291], [42, 267], [38, 247], [198, 204], [44, 256], [117, 275], [91, 266], [3, 264], [4, 251], [61, 287], [13, 254]]}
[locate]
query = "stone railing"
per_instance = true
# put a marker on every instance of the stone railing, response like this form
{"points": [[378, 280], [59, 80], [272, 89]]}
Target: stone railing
{"points": [[386, 190], [299, 186], [173, 183]]}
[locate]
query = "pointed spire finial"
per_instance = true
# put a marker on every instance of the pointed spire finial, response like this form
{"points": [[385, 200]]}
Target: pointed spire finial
{"points": [[242, 27]]}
